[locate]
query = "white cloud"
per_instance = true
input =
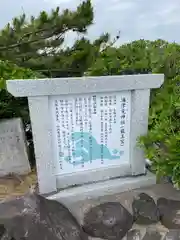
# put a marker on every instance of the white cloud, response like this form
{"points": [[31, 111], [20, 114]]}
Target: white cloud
{"points": [[121, 6], [56, 2], [135, 18]]}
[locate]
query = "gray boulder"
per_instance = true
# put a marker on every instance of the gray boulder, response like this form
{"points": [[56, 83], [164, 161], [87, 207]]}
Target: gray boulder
{"points": [[34, 217], [145, 210], [170, 212], [108, 220]]}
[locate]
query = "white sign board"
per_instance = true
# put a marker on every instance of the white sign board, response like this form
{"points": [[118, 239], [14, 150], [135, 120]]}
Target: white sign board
{"points": [[90, 131], [85, 129]]}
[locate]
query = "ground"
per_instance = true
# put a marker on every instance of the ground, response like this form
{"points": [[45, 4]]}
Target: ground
{"points": [[156, 191], [14, 185]]}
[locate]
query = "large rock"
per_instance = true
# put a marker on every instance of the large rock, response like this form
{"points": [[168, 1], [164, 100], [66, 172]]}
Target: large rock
{"points": [[108, 220], [170, 212], [145, 210], [34, 217]]}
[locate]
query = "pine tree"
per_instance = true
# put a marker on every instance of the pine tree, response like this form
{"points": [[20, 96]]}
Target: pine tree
{"points": [[37, 43]]}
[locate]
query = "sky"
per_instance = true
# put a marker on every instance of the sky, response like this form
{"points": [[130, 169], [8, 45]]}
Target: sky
{"points": [[135, 19]]}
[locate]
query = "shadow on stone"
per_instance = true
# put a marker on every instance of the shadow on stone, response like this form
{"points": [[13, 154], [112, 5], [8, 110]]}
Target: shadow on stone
{"points": [[108, 220], [2, 230]]}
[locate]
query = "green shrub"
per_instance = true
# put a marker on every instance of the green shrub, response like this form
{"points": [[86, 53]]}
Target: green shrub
{"points": [[10, 106], [162, 143]]}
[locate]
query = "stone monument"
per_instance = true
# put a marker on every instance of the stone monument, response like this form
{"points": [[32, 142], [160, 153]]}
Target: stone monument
{"points": [[85, 132], [13, 151]]}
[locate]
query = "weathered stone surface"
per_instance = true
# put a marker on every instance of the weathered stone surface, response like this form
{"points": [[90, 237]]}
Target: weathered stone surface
{"points": [[35, 217], [145, 210], [173, 235], [134, 234], [13, 152], [170, 212], [108, 220], [152, 234]]}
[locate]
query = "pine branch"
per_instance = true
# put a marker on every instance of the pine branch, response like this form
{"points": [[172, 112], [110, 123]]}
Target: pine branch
{"points": [[34, 40]]}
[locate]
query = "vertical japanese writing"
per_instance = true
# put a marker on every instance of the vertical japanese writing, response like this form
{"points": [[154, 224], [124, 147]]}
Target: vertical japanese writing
{"points": [[62, 113], [102, 135], [90, 127], [110, 120], [102, 101], [89, 108], [58, 133], [72, 131], [79, 121], [56, 111], [114, 116], [82, 143], [114, 110], [105, 126], [122, 121], [114, 100], [90, 141], [85, 106], [105, 101], [67, 119], [59, 146], [78, 109], [110, 100], [63, 121], [94, 105]]}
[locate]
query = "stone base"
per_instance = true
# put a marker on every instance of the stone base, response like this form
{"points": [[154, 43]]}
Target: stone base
{"points": [[99, 189]]}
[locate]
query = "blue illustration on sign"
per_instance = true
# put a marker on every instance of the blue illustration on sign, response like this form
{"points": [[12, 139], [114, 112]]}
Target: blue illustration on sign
{"points": [[86, 149]]}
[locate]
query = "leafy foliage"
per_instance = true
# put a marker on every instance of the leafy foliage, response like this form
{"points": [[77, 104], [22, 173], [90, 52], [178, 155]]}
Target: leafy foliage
{"points": [[161, 144], [10, 106], [138, 57]]}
